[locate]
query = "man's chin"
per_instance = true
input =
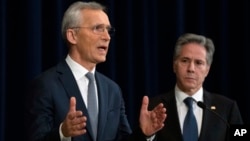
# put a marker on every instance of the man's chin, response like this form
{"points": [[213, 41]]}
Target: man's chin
{"points": [[101, 60]]}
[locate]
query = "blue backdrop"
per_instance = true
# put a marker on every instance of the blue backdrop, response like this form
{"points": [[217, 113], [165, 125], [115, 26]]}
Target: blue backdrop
{"points": [[140, 55]]}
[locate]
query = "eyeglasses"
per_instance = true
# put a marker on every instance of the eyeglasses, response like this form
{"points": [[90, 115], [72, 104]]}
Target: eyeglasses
{"points": [[100, 29]]}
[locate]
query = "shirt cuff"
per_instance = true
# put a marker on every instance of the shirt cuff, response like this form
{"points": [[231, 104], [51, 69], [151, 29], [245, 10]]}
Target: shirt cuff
{"points": [[62, 137], [150, 138]]}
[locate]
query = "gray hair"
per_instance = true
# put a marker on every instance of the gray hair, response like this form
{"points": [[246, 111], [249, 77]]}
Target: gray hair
{"points": [[207, 43], [72, 16]]}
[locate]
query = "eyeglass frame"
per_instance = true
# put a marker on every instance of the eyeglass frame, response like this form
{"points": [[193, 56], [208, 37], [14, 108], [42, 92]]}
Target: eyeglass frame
{"points": [[99, 29]]}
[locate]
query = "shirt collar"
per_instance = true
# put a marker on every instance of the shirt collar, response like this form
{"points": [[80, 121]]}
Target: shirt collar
{"points": [[180, 95], [78, 70]]}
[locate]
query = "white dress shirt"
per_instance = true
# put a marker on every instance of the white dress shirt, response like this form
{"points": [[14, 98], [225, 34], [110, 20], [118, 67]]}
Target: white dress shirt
{"points": [[79, 73], [182, 108]]}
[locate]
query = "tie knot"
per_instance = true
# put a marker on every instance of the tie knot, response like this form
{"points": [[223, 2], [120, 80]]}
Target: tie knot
{"points": [[189, 101], [90, 76]]}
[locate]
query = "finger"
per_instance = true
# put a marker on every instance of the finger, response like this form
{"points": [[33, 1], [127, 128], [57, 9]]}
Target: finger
{"points": [[145, 101], [72, 104], [160, 111], [79, 132], [78, 114], [79, 120], [160, 108]]}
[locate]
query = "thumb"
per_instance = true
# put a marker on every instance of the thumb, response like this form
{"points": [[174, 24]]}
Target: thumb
{"points": [[72, 104], [145, 101]]}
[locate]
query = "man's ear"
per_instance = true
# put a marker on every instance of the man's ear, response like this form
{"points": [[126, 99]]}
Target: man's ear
{"points": [[207, 71], [71, 36]]}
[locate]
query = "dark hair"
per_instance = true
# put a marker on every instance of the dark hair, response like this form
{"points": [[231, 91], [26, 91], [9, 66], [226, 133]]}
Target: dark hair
{"points": [[207, 43]]}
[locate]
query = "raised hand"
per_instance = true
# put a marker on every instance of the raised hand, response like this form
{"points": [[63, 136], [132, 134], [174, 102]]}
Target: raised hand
{"points": [[74, 124], [151, 121]]}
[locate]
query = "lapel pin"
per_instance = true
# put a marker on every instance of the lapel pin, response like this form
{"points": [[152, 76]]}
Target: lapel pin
{"points": [[212, 107]]}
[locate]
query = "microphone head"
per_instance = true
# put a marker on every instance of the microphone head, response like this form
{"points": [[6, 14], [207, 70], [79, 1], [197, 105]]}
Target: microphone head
{"points": [[201, 104]]}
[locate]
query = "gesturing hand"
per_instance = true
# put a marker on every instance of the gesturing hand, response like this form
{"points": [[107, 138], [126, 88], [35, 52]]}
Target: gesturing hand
{"points": [[151, 121], [74, 124]]}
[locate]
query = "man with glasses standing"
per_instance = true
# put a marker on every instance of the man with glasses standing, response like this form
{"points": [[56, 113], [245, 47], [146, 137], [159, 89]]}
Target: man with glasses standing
{"points": [[59, 102]]}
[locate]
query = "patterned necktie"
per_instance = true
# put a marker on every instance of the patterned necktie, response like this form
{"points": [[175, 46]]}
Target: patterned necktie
{"points": [[190, 129], [92, 104]]}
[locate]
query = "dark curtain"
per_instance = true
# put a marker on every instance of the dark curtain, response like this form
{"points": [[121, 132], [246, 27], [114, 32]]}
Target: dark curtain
{"points": [[140, 54]]}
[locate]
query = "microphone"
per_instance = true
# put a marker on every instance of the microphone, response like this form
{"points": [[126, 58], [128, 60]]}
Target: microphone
{"points": [[204, 107]]}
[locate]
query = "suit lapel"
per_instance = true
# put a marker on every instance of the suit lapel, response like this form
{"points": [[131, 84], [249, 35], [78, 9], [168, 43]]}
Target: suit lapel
{"points": [[103, 98], [206, 124], [67, 79], [70, 85], [172, 129]]}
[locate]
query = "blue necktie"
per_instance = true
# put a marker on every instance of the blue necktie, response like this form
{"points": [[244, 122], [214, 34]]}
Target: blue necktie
{"points": [[92, 104], [190, 129]]}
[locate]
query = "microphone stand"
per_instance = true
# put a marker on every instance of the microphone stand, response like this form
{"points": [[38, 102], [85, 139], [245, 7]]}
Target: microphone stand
{"points": [[204, 107]]}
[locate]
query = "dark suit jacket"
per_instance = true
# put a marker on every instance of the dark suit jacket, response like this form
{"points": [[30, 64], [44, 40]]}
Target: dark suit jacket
{"points": [[48, 104], [213, 128]]}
